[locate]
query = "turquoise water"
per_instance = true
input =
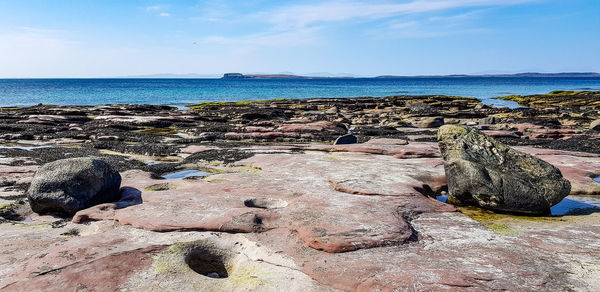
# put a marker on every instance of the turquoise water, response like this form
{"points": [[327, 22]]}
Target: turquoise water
{"points": [[24, 92]]}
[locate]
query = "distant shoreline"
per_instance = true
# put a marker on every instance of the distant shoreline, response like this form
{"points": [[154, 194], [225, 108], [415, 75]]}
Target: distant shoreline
{"points": [[517, 75], [236, 75], [239, 76]]}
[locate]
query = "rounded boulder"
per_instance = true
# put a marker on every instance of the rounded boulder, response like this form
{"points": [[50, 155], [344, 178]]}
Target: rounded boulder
{"points": [[69, 185]]}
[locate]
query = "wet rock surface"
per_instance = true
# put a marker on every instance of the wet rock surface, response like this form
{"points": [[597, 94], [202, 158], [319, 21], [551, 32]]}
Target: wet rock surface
{"points": [[283, 208], [484, 172]]}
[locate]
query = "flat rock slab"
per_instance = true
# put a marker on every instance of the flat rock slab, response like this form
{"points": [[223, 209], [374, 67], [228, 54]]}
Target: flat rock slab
{"points": [[306, 217]]}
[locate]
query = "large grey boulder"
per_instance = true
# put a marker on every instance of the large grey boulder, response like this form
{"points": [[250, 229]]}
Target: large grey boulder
{"points": [[483, 172], [69, 185]]}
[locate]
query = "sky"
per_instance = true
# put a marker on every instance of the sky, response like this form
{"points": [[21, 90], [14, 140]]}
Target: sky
{"points": [[84, 38]]}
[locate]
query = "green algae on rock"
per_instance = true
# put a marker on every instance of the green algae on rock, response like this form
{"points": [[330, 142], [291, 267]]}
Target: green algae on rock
{"points": [[558, 98]]}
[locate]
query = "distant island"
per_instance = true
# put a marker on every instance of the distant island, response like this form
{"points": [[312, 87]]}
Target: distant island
{"points": [[276, 76], [527, 74]]}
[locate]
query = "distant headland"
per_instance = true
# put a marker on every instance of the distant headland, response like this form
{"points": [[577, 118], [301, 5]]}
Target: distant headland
{"points": [[277, 76]]}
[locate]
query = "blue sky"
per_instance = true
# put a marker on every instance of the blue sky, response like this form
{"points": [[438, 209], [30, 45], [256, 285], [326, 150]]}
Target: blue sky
{"points": [[50, 38]]}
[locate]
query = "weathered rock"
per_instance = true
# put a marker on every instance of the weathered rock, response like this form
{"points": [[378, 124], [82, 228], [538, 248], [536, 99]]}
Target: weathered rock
{"points": [[489, 121], [483, 172], [346, 139], [69, 185], [357, 219], [429, 122], [595, 125]]}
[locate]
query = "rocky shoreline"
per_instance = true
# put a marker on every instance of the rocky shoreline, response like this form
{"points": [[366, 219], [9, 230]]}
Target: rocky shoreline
{"points": [[278, 203]]}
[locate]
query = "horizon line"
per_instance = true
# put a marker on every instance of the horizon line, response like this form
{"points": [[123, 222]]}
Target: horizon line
{"points": [[308, 76]]}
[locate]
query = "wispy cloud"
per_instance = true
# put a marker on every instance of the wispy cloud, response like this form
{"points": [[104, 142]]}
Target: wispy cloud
{"points": [[160, 10], [429, 27], [298, 37], [156, 7], [335, 11], [295, 23]]}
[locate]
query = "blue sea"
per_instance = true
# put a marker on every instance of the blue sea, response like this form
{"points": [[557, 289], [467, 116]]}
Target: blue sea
{"points": [[25, 92]]}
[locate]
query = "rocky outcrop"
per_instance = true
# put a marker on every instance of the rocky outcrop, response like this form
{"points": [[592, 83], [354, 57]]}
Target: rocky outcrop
{"points": [[483, 172], [69, 185], [429, 122], [595, 125]]}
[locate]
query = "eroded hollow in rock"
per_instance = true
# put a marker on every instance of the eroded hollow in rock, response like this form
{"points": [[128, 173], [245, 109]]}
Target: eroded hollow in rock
{"points": [[208, 262], [265, 203]]}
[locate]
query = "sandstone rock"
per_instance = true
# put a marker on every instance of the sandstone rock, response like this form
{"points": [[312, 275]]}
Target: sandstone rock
{"points": [[429, 122], [68, 185], [332, 110], [489, 121], [346, 139], [595, 125], [483, 172]]}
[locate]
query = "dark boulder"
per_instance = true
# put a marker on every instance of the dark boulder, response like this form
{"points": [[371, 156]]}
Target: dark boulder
{"points": [[483, 172], [346, 139], [69, 185]]}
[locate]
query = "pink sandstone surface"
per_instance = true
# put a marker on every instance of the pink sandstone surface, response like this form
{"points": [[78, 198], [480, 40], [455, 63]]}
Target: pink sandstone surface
{"points": [[308, 217]]}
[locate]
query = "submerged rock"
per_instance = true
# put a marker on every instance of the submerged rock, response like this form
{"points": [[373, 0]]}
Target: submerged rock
{"points": [[484, 172], [69, 185]]}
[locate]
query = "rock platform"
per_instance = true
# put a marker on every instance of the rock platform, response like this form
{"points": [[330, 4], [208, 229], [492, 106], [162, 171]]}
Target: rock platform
{"points": [[290, 215]]}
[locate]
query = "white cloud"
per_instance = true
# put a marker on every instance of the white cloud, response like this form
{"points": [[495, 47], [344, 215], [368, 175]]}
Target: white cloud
{"points": [[165, 14], [304, 36], [333, 11], [156, 8], [403, 25]]}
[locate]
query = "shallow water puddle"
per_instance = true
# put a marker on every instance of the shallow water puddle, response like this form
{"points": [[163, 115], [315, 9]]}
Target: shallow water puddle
{"points": [[181, 107], [442, 198], [570, 205], [576, 205], [186, 173], [181, 134]]}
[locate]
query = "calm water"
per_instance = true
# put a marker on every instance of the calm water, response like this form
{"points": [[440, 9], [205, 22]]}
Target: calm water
{"points": [[23, 92]]}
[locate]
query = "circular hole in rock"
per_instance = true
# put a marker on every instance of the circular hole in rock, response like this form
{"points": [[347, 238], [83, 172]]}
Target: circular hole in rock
{"points": [[265, 203], [207, 262]]}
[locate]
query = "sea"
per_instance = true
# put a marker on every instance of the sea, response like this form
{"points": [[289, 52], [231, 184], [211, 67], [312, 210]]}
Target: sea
{"points": [[181, 92]]}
